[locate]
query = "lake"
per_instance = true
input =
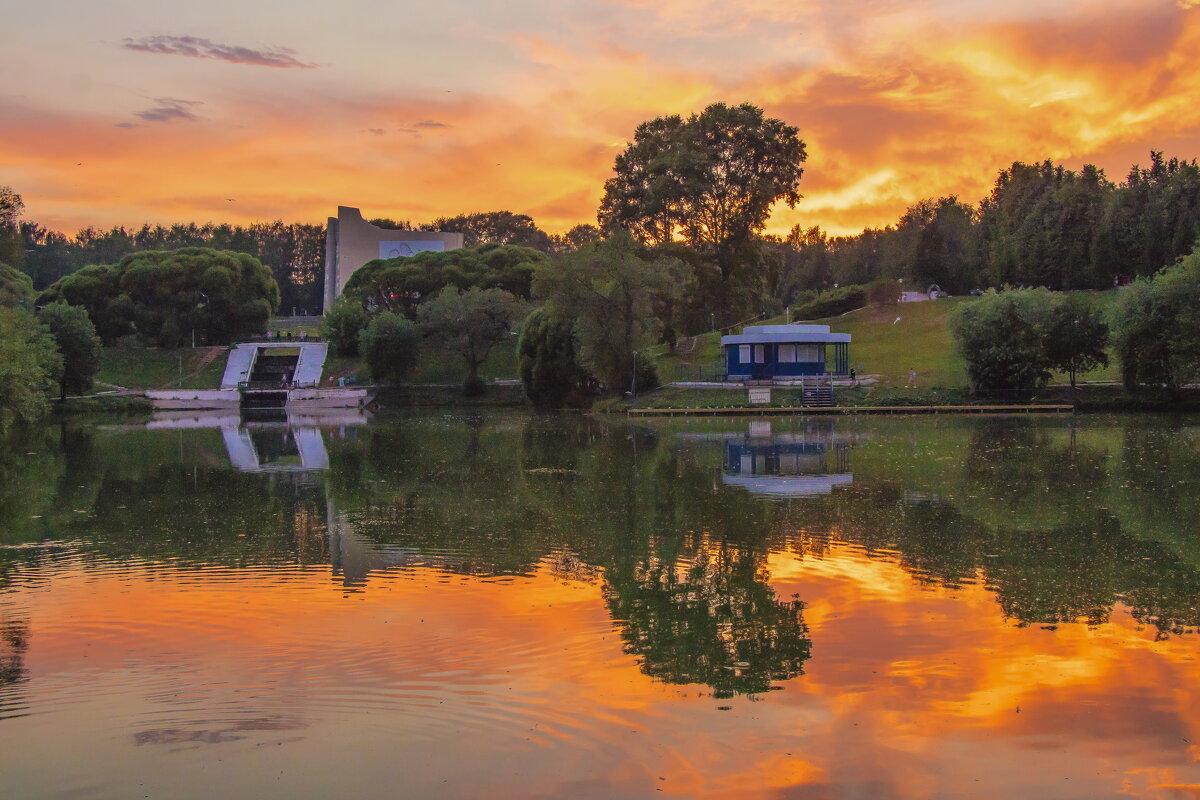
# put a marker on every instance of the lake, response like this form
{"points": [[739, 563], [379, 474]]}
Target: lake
{"points": [[506, 605]]}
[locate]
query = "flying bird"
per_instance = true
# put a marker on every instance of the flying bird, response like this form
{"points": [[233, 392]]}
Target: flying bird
{"points": [[896, 320]]}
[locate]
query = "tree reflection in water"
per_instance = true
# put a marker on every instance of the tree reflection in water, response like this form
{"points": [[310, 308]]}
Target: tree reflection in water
{"points": [[1061, 524]]}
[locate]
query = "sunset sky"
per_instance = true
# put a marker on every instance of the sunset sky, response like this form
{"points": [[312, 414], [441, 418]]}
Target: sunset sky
{"points": [[133, 111]]}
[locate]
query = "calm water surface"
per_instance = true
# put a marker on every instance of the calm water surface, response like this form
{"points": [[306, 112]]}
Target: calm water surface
{"points": [[507, 606]]}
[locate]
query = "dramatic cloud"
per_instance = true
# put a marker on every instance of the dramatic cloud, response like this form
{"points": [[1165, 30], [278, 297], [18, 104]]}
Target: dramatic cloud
{"points": [[526, 110], [169, 109], [196, 47]]}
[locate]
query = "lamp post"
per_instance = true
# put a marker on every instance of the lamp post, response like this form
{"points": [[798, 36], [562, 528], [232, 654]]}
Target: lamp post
{"points": [[202, 294], [633, 382]]}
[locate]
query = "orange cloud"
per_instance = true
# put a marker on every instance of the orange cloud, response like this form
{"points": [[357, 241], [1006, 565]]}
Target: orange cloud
{"points": [[912, 101]]}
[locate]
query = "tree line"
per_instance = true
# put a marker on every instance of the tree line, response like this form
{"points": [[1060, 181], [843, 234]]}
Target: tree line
{"points": [[1041, 225], [680, 248]]}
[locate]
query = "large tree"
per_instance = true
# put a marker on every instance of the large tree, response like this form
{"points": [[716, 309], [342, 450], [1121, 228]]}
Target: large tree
{"points": [[1156, 327], [714, 176], [1002, 336], [470, 324], [389, 345], [550, 370], [608, 291], [167, 296], [77, 342], [402, 284]]}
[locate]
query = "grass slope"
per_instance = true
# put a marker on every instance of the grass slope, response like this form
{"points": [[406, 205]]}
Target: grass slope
{"points": [[885, 341], [157, 368]]}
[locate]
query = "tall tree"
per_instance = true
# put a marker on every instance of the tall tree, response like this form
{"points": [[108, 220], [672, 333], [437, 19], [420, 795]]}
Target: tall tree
{"points": [[470, 323], [715, 176], [77, 342]]}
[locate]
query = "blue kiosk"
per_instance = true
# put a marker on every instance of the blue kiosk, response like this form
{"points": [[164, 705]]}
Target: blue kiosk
{"points": [[767, 352]]}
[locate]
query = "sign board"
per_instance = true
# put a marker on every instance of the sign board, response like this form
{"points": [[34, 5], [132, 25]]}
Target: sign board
{"points": [[398, 249], [760, 430], [760, 397]]}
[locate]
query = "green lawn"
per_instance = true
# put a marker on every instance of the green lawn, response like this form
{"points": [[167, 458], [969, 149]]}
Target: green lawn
{"points": [[158, 368]]}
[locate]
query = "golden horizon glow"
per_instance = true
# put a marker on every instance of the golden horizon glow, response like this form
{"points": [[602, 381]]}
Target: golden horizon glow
{"points": [[462, 107]]}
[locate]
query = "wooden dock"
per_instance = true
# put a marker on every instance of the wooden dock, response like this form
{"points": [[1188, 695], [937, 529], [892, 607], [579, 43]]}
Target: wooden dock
{"points": [[756, 411]]}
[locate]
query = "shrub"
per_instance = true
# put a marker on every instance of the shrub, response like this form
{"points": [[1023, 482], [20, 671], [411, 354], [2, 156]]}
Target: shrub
{"points": [[343, 324], [389, 345], [831, 303]]}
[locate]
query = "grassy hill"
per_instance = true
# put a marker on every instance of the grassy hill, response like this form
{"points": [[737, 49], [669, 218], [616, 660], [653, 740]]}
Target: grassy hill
{"points": [[885, 340], [158, 368]]}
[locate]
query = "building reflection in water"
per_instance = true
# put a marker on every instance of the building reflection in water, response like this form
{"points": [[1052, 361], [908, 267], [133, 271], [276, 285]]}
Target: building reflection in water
{"points": [[269, 442], [799, 463]]}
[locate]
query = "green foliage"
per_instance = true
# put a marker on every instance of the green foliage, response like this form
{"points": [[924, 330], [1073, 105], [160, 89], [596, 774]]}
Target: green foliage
{"points": [[1005, 338], [389, 346], [830, 303], [16, 288], [550, 370], [1038, 226], [494, 227], [577, 237], [293, 252], [608, 290], [1077, 336], [470, 323], [78, 344], [30, 367], [402, 284], [883, 292], [1156, 327], [715, 176], [12, 251], [342, 324], [166, 295]]}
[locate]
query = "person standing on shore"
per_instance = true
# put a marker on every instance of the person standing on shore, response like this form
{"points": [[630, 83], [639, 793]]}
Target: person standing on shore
{"points": [[912, 379]]}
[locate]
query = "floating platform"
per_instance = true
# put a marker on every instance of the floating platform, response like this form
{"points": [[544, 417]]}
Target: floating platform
{"points": [[756, 411]]}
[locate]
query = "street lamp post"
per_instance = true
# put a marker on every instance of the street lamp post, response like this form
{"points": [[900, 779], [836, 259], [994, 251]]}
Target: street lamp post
{"points": [[633, 382]]}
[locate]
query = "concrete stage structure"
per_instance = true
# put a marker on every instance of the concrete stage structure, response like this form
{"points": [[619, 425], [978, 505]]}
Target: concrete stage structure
{"points": [[351, 241]]}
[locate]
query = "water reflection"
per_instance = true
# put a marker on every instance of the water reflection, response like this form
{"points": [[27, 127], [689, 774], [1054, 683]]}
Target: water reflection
{"points": [[906, 584], [800, 463]]}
